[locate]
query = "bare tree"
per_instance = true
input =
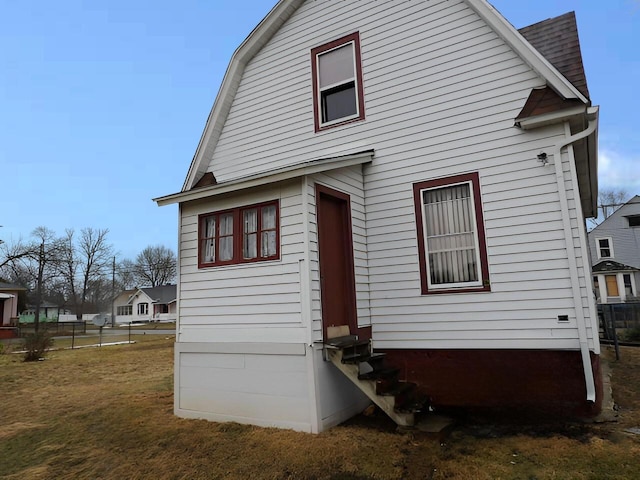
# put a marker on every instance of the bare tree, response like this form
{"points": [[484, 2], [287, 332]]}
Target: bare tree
{"points": [[126, 274], [94, 257], [609, 200], [69, 265], [46, 253], [155, 265]]}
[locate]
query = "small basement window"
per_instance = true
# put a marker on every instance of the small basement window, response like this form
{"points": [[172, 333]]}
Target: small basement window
{"points": [[338, 96]]}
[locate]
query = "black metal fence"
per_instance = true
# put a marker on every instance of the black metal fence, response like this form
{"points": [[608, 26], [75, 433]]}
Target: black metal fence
{"points": [[55, 328], [620, 324]]}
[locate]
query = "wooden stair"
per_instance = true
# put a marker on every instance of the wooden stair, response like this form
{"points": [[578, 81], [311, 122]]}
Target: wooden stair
{"points": [[380, 382]]}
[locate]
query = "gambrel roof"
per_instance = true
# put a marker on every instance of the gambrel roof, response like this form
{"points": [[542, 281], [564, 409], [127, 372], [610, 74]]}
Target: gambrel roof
{"points": [[282, 11]]}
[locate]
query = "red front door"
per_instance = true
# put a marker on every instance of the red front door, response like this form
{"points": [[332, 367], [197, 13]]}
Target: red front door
{"points": [[335, 245]]}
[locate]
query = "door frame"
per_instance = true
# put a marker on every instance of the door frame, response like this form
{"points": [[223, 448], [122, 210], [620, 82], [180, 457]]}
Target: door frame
{"points": [[349, 267]]}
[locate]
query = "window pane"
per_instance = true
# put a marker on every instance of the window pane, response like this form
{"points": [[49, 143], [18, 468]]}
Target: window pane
{"points": [[226, 224], [250, 220], [268, 243], [250, 245], [250, 236], [209, 250], [450, 228], [226, 248], [628, 291], [336, 66], [339, 102], [210, 227], [269, 217]]}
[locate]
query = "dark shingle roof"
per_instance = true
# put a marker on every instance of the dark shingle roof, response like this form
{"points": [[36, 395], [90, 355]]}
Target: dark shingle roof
{"points": [[557, 40], [611, 266], [162, 293]]}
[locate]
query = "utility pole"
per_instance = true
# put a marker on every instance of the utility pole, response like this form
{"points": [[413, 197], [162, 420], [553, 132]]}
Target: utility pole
{"points": [[113, 291], [36, 320]]}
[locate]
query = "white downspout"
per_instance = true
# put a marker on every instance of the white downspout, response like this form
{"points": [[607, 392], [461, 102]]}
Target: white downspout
{"points": [[592, 115]]}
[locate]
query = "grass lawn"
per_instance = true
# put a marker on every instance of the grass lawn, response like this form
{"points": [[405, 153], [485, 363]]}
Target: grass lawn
{"points": [[107, 414]]}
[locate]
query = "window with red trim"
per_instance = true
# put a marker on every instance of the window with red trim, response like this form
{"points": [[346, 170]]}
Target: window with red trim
{"points": [[338, 95], [451, 242], [242, 235]]}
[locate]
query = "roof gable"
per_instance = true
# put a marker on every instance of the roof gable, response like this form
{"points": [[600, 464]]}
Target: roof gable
{"points": [[284, 9], [631, 208]]}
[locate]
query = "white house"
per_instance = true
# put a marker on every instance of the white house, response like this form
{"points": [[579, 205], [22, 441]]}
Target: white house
{"points": [[615, 255], [414, 173], [150, 304]]}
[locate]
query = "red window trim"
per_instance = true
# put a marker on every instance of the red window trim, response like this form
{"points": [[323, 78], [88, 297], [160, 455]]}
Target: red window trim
{"points": [[474, 178], [355, 38], [238, 234]]}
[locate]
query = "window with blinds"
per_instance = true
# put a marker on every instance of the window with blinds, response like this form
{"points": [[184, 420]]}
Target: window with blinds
{"points": [[451, 235]]}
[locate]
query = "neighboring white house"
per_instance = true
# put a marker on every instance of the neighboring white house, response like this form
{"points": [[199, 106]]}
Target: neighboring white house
{"points": [[615, 255], [416, 173], [152, 304]]}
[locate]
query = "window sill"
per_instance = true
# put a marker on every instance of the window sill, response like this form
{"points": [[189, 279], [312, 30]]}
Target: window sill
{"points": [[252, 263], [457, 290]]}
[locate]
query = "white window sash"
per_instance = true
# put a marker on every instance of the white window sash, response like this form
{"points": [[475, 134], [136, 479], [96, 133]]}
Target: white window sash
{"points": [[321, 90], [476, 243]]}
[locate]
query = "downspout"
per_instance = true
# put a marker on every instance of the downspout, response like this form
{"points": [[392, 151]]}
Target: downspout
{"points": [[592, 116]]}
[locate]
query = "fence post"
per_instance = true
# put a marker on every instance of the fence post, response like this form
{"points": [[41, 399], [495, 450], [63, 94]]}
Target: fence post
{"points": [[611, 318], [129, 332], [73, 335]]}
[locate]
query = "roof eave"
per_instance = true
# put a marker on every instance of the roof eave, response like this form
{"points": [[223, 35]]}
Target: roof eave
{"points": [[536, 121], [271, 176]]}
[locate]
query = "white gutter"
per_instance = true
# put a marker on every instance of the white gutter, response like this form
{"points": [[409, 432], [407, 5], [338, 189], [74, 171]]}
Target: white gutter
{"points": [[592, 116]]}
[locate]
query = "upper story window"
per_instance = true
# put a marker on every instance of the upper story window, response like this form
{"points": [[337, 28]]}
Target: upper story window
{"points": [[634, 220], [241, 235], [604, 246], [338, 96], [451, 242]]}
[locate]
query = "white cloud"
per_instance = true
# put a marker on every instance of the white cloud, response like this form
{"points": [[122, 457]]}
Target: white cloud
{"points": [[618, 170]]}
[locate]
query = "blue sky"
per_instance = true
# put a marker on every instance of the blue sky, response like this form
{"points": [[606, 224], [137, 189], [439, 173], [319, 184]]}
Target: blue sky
{"points": [[102, 103]]}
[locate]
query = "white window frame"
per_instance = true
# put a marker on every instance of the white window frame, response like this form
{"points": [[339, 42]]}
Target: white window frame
{"points": [[146, 308], [609, 241], [321, 90], [352, 40], [446, 286]]}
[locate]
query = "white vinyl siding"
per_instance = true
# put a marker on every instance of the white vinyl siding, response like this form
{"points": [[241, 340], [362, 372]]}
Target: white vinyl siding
{"points": [[442, 105], [240, 302]]}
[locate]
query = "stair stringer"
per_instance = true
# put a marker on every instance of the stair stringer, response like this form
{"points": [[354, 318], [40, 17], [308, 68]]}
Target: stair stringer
{"points": [[368, 387]]}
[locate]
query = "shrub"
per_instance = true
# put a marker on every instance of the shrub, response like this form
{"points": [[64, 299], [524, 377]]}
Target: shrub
{"points": [[1, 348], [632, 335], [36, 345]]}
